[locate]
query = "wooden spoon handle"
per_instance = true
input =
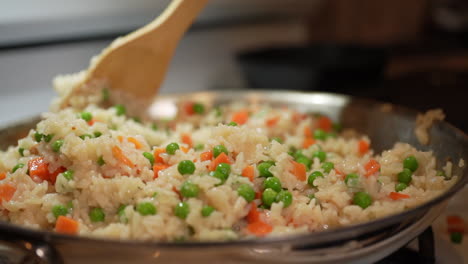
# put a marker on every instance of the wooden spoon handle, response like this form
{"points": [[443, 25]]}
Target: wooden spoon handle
{"points": [[171, 25]]}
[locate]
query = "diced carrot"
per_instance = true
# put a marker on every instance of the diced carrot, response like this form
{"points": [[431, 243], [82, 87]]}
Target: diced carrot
{"points": [[66, 225], [259, 228], [222, 158], [2, 176], [135, 142], [398, 196], [188, 108], [339, 173], [92, 122], [249, 172], [240, 117], [455, 224], [39, 169], [371, 167], [272, 121], [184, 149], [6, 192], [177, 191], [298, 117], [307, 132], [325, 123], [118, 154], [254, 214], [157, 168], [187, 139], [53, 175], [363, 147], [120, 138], [258, 195], [308, 141], [157, 158], [299, 170], [208, 155]]}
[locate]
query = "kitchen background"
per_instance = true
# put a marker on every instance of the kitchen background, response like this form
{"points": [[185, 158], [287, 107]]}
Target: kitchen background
{"points": [[413, 53]]}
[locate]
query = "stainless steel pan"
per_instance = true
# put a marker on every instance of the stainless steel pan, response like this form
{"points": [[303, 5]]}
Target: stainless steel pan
{"points": [[360, 243]]}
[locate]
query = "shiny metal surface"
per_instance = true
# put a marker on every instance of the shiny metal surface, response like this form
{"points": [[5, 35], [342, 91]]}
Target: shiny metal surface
{"points": [[365, 242]]}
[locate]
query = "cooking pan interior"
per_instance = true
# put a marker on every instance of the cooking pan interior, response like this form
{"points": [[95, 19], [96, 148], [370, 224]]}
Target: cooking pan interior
{"points": [[384, 124]]}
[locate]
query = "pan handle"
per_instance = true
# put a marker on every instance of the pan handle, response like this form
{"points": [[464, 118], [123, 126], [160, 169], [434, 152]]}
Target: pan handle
{"points": [[16, 250]]}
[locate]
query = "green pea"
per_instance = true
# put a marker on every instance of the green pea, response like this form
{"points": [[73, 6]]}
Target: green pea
{"points": [[298, 154], [97, 215], [171, 148], [186, 167], [285, 197], [232, 123], [120, 110], [121, 210], [207, 210], [83, 137], [21, 151], [48, 138], [328, 166], [319, 134], [277, 139], [86, 116], [442, 174], [351, 176], [199, 147], [68, 175], [405, 176], [456, 237], [321, 155], [411, 163], [247, 192], [269, 197], [400, 186], [264, 169], [121, 213], [222, 172], [105, 94], [337, 127], [101, 161], [224, 168], [59, 210], [314, 175], [56, 145], [97, 134], [272, 183], [217, 150], [149, 156], [218, 112], [362, 199], [182, 210], [304, 160], [16, 167], [146, 208], [189, 189], [222, 177], [198, 108], [38, 136], [154, 127]]}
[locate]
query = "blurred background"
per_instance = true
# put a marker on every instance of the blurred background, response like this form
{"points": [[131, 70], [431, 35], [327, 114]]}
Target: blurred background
{"points": [[413, 53]]}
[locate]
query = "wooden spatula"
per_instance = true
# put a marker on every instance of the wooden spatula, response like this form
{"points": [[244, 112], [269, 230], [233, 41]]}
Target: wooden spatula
{"points": [[137, 63]]}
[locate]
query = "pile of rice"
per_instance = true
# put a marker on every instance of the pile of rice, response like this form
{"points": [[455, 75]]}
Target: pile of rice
{"points": [[111, 174]]}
